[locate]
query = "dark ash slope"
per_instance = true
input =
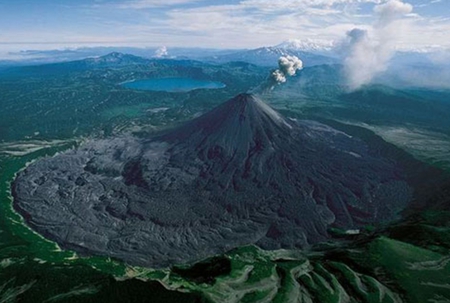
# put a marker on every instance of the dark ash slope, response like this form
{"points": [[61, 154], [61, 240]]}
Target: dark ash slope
{"points": [[237, 175]]}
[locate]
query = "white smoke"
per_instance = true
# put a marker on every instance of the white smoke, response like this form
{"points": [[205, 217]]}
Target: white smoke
{"points": [[161, 52], [287, 67], [278, 76], [368, 54]]}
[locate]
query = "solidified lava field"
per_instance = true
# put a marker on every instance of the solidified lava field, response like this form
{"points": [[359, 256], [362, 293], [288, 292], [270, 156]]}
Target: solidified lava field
{"points": [[240, 174]]}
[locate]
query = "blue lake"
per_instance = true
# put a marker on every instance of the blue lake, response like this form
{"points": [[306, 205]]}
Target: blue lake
{"points": [[173, 85]]}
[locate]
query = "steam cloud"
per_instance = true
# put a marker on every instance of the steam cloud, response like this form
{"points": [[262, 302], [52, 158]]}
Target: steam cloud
{"points": [[161, 52], [287, 67], [367, 54]]}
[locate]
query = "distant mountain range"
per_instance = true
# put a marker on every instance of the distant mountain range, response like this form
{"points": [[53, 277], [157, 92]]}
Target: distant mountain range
{"points": [[406, 69], [312, 52], [307, 45], [268, 56], [114, 59]]}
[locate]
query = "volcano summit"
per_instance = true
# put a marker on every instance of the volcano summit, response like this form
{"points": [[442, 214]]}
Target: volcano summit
{"points": [[240, 174]]}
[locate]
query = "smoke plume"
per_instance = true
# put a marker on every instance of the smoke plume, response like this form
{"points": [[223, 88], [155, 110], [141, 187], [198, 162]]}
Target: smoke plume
{"points": [[368, 53], [287, 67], [161, 52]]}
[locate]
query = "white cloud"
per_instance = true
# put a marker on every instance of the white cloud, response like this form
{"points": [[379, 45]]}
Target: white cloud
{"points": [[240, 24], [391, 10], [368, 54], [140, 4], [298, 4], [248, 25], [253, 23]]}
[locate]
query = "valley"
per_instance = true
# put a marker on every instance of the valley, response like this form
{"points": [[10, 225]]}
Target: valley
{"points": [[62, 107]]}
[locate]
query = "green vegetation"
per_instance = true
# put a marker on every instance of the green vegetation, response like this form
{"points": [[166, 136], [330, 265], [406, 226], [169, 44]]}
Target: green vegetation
{"points": [[422, 274], [50, 109]]}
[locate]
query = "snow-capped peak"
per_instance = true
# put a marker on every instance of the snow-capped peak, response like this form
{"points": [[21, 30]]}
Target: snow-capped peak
{"points": [[306, 45]]}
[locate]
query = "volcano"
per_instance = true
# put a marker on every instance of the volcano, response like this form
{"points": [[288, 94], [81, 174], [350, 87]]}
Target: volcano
{"points": [[240, 174]]}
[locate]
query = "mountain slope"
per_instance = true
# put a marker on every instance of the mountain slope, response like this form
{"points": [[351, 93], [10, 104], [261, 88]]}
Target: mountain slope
{"points": [[307, 45], [240, 174], [113, 59], [268, 56]]}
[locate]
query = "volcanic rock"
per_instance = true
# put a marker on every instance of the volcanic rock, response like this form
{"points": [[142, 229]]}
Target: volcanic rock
{"points": [[240, 174]]}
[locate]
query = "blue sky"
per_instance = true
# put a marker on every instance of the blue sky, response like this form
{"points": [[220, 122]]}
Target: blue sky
{"points": [[218, 24]]}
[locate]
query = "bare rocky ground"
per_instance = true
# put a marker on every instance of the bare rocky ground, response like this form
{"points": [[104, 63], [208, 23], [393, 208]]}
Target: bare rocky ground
{"points": [[240, 174]]}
